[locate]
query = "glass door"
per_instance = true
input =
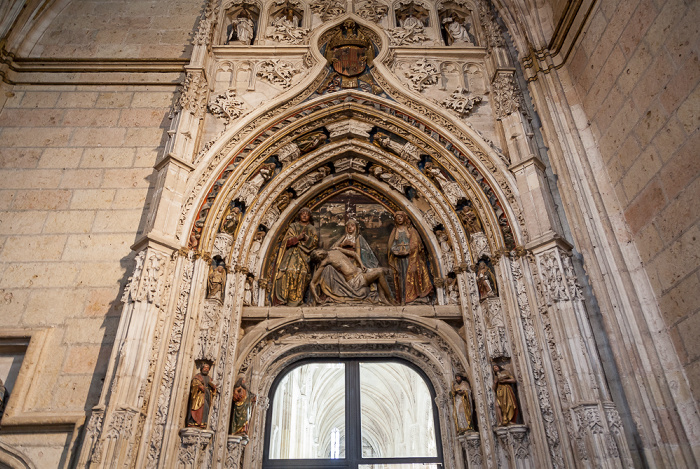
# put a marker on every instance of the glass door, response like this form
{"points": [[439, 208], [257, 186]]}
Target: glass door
{"points": [[355, 414]]}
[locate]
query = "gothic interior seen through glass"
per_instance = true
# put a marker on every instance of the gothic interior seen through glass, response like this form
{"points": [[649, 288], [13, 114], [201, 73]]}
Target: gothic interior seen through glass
{"points": [[354, 414]]}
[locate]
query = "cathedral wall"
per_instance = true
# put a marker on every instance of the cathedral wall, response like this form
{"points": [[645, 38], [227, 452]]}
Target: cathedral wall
{"points": [[636, 72], [114, 29], [77, 164]]}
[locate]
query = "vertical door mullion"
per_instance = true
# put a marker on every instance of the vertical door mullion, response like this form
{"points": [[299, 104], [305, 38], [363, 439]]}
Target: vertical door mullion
{"points": [[353, 437]]}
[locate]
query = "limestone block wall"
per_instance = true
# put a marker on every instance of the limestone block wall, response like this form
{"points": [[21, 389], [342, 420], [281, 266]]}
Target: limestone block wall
{"points": [[636, 72], [76, 171], [118, 29]]}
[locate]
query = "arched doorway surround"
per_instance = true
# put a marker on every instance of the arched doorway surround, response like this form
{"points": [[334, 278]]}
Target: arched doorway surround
{"points": [[228, 206]]}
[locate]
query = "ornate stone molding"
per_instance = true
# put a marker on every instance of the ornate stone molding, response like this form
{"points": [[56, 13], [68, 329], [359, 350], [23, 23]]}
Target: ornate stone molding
{"points": [[533, 351], [461, 101], [193, 443], [147, 283], [235, 445], [421, 74], [193, 93], [206, 24], [165, 389], [371, 10], [506, 96], [277, 72], [328, 9], [495, 329], [226, 106]]}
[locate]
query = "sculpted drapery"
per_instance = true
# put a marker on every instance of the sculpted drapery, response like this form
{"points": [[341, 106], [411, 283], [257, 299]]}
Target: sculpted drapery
{"points": [[507, 408], [407, 261], [292, 272]]}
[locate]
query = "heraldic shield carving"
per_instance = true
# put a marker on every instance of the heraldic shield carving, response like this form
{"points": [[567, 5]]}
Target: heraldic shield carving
{"points": [[349, 52]]}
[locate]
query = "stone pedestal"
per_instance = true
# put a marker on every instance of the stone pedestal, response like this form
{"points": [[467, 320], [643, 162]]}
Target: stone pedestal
{"points": [[514, 446], [234, 451], [195, 448], [471, 446]]}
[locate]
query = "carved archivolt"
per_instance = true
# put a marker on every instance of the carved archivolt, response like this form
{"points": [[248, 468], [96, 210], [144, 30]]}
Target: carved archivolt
{"points": [[274, 345]]}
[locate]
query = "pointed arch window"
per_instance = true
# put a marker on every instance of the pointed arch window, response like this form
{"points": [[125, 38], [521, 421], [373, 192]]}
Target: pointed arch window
{"points": [[354, 414]]}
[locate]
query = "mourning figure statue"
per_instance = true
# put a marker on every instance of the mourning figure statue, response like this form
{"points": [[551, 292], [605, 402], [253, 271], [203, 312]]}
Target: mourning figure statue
{"points": [[202, 391], [292, 272], [407, 261], [243, 401], [342, 277], [462, 399], [503, 387]]}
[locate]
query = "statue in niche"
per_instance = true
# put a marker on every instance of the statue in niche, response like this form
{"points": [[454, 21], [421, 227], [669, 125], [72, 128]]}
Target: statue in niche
{"points": [[392, 179], [248, 292], [250, 189], [508, 238], [292, 272], [485, 281], [216, 282], [462, 399], [470, 220], [243, 402], [305, 182], [255, 249], [451, 291], [457, 33], [231, 220], [202, 391], [407, 151], [453, 192], [243, 29], [285, 27], [507, 404], [194, 241], [343, 278], [448, 257], [407, 261]]}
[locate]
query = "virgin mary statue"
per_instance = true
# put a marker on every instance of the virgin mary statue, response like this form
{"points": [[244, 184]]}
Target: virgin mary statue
{"points": [[334, 286], [352, 239]]}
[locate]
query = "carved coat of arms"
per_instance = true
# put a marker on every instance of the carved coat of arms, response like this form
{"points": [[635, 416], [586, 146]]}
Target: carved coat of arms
{"points": [[349, 52]]}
